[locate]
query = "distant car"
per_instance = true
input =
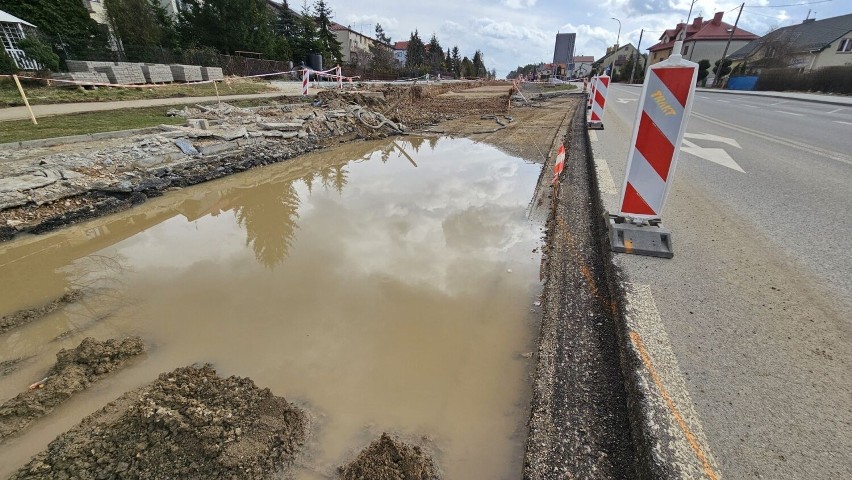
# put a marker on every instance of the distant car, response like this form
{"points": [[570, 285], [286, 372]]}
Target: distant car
{"points": [[556, 81]]}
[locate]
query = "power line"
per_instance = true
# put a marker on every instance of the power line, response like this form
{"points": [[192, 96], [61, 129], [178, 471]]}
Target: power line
{"points": [[787, 5]]}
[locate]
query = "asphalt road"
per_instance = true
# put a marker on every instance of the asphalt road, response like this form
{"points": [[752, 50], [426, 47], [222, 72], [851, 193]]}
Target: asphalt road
{"points": [[757, 302]]}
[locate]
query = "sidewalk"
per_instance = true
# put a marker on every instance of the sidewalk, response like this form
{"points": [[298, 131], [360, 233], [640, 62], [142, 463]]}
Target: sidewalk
{"points": [[21, 113]]}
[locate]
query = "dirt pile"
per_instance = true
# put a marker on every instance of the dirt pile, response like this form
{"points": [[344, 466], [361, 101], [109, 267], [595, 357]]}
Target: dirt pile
{"points": [[389, 458], [73, 372], [23, 317], [189, 424]]}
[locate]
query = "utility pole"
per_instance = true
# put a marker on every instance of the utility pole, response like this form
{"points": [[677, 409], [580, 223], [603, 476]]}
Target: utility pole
{"points": [[725, 52], [638, 56]]}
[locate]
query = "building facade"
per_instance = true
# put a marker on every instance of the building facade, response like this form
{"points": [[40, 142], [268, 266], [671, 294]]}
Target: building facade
{"points": [[563, 53], [702, 40], [12, 31], [355, 46], [616, 58], [810, 45]]}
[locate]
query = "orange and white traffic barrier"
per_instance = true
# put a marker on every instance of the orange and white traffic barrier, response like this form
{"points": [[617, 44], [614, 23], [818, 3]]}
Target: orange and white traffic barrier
{"points": [[592, 95], [339, 77], [560, 163], [599, 102], [665, 105], [306, 75]]}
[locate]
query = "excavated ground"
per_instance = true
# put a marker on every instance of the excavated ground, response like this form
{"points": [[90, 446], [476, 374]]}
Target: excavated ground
{"points": [[190, 423]]}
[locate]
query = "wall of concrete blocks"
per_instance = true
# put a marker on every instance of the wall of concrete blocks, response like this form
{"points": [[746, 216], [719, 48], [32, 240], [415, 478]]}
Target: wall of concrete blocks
{"points": [[125, 73]]}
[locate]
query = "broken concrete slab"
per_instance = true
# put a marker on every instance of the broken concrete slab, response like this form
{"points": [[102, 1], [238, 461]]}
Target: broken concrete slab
{"points": [[25, 182], [284, 126], [215, 148], [232, 134]]}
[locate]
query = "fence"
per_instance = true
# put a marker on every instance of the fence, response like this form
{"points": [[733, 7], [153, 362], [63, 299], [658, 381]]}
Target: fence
{"points": [[827, 80]]}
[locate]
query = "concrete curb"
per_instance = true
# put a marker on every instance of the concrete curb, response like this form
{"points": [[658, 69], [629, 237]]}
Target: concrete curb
{"points": [[667, 434]]}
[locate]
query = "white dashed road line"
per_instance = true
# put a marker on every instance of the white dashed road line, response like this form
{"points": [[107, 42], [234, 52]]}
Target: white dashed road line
{"points": [[791, 113], [841, 121]]}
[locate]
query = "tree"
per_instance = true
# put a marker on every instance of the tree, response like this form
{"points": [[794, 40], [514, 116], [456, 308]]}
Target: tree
{"points": [[416, 53], [65, 22], [381, 55], [330, 47], [703, 71], [7, 64], [300, 33], [448, 62], [37, 50], [381, 35], [478, 65], [726, 68], [230, 26], [134, 22], [457, 61], [435, 54], [467, 68]]}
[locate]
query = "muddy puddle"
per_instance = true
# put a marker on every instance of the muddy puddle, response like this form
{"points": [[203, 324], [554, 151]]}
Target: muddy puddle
{"points": [[380, 286]]}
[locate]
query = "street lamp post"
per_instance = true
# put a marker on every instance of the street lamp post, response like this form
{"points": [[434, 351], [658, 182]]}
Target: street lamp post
{"points": [[617, 38]]}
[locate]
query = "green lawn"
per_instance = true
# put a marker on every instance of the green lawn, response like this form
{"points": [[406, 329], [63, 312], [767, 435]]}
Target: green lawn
{"points": [[43, 95], [90, 122]]}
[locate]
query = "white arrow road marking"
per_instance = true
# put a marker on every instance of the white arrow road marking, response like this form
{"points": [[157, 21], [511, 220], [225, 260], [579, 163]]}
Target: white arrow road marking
{"points": [[625, 100], [712, 138], [715, 155]]}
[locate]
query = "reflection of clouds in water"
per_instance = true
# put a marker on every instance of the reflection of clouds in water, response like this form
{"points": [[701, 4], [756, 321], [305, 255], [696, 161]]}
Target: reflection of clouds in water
{"points": [[460, 213], [458, 216]]}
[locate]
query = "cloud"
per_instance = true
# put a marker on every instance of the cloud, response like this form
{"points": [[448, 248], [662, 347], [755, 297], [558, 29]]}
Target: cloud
{"points": [[517, 4]]}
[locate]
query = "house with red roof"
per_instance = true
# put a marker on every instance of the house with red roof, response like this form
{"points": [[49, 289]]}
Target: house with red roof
{"points": [[400, 52], [702, 40]]}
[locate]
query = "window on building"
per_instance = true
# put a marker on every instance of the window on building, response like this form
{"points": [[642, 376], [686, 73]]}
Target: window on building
{"points": [[686, 50], [11, 35], [845, 45]]}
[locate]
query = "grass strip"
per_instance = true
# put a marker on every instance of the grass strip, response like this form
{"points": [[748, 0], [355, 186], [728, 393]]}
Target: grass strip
{"points": [[88, 122]]}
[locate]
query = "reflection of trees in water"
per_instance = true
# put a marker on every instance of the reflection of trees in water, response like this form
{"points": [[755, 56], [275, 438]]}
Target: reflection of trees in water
{"points": [[269, 215], [99, 278], [416, 143], [341, 177], [433, 142]]}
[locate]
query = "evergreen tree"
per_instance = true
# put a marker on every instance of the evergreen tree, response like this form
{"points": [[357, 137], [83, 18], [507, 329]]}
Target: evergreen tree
{"points": [[65, 22], [703, 71], [416, 53], [381, 55], [478, 65], [381, 35], [467, 68], [457, 65], [330, 47], [7, 64], [448, 62], [726, 68], [435, 54], [230, 26]]}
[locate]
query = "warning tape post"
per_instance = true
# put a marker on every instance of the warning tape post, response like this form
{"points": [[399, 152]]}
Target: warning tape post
{"points": [[665, 105]]}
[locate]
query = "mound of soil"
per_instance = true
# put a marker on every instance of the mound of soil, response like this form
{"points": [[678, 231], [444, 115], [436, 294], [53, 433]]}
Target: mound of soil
{"points": [[22, 317], [389, 458], [189, 424], [74, 371]]}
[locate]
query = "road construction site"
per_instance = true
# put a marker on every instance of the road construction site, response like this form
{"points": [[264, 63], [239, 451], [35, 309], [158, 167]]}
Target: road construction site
{"points": [[396, 262]]}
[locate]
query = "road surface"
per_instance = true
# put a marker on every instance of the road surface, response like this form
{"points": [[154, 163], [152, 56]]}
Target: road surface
{"points": [[757, 302]]}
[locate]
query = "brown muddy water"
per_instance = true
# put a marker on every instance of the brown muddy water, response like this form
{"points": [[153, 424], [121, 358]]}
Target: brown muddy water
{"points": [[380, 286]]}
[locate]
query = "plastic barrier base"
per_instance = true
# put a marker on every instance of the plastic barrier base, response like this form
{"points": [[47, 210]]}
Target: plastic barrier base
{"points": [[595, 125], [649, 239]]}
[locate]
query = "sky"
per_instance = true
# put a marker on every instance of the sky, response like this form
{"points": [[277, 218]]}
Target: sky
{"points": [[519, 32]]}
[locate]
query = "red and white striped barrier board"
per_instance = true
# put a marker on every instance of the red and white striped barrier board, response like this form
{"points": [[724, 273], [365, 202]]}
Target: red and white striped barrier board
{"points": [[665, 105], [339, 77], [306, 74], [599, 102], [592, 94], [560, 163]]}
